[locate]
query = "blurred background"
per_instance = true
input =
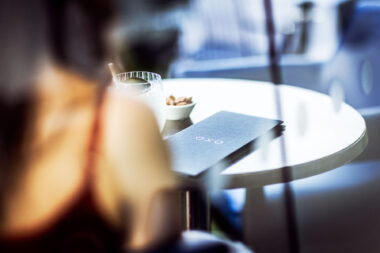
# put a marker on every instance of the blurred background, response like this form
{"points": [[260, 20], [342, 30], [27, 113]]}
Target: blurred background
{"points": [[321, 42]]}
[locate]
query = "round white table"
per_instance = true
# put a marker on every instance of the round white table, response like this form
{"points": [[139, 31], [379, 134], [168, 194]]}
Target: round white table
{"points": [[318, 138]]}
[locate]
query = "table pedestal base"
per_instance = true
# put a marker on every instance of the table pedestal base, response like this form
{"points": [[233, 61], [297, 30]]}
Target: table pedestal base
{"points": [[196, 206], [264, 222]]}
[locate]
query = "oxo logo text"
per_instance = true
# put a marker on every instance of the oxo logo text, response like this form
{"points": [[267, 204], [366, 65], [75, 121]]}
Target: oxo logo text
{"points": [[209, 140]]}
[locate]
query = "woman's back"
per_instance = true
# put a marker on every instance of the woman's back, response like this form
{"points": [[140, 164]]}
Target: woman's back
{"points": [[69, 190], [56, 203]]}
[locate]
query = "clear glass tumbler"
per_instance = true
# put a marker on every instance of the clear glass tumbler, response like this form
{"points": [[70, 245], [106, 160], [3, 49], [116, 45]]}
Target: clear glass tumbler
{"points": [[147, 86]]}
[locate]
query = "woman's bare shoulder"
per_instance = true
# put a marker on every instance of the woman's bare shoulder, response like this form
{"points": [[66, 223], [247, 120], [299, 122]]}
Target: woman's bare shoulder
{"points": [[123, 109], [139, 161], [132, 137]]}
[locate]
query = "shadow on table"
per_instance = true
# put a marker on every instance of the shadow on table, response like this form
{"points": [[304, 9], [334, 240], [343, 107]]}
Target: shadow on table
{"points": [[174, 126]]}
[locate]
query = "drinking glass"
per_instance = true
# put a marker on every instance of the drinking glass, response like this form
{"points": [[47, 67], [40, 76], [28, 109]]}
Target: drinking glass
{"points": [[147, 87]]}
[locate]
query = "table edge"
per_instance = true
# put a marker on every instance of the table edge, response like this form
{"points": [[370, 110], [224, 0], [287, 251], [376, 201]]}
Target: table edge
{"points": [[274, 176]]}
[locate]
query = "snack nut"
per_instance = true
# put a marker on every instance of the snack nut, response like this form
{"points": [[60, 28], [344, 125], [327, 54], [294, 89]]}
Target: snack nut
{"points": [[171, 100]]}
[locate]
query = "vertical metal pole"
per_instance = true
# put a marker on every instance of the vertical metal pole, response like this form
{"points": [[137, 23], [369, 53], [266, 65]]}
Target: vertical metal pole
{"points": [[276, 78], [187, 213], [197, 210]]}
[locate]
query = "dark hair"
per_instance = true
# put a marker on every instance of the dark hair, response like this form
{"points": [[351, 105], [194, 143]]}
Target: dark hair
{"points": [[70, 32], [77, 33], [14, 118]]}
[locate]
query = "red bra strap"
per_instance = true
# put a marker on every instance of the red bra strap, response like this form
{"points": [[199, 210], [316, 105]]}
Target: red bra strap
{"points": [[95, 135]]}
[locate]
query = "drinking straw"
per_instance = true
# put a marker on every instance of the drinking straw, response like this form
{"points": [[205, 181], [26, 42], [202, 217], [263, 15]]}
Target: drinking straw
{"points": [[112, 69]]}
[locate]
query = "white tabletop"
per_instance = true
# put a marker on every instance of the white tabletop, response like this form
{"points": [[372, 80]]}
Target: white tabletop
{"points": [[317, 137]]}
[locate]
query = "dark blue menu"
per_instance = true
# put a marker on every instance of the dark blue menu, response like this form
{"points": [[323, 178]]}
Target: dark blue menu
{"points": [[220, 139]]}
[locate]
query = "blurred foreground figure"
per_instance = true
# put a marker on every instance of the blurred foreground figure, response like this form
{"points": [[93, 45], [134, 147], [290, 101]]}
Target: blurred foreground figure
{"points": [[81, 169]]}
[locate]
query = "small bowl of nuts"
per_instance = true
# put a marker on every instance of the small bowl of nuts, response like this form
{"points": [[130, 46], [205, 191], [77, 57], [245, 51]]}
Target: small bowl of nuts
{"points": [[178, 107]]}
